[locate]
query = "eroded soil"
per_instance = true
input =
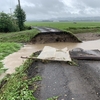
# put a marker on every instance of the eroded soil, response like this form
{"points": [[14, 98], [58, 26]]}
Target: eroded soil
{"points": [[88, 36], [48, 37]]}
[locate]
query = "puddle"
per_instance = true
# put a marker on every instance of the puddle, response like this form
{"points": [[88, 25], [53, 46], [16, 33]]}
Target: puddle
{"points": [[14, 60]]}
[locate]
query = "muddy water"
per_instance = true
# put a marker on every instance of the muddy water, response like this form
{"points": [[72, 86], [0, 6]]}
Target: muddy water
{"points": [[14, 60]]}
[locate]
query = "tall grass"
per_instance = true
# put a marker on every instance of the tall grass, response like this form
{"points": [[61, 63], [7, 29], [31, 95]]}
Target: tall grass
{"points": [[20, 37], [5, 50], [17, 84]]}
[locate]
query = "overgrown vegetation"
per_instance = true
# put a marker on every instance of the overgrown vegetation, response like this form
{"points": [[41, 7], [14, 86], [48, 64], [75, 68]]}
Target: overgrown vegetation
{"points": [[13, 22], [17, 85], [6, 49], [20, 17], [78, 27], [8, 23]]}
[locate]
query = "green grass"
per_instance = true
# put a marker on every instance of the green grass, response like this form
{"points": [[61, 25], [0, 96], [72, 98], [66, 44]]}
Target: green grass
{"points": [[19, 37], [17, 88], [5, 50], [53, 98], [17, 85], [79, 27]]}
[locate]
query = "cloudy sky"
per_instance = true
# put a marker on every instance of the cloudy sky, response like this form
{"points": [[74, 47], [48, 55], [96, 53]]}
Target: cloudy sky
{"points": [[46, 9]]}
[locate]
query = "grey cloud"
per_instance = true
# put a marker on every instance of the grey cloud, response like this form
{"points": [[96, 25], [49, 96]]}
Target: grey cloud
{"points": [[91, 3], [46, 6], [45, 9]]}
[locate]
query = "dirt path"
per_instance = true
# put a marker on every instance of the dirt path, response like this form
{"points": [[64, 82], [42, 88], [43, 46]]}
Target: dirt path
{"points": [[79, 82]]}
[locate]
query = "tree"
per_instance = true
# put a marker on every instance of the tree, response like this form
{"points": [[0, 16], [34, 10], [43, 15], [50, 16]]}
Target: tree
{"points": [[7, 23], [20, 16]]}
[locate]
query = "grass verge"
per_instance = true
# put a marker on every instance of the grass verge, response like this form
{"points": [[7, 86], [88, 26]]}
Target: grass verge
{"points": [[5, 50], [17, 85], [19, 37]]}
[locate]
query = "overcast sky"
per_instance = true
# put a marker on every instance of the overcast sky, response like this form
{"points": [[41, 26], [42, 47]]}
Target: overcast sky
{"points": [[46, 9]]}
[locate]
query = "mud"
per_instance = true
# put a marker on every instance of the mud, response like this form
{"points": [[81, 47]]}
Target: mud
{"points": [[88, 36], [79, 82], [14, 60], [52, 37]]}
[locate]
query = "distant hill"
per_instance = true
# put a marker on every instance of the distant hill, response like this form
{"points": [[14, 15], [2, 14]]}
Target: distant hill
{"points": [[68, 19], [77, 19]]}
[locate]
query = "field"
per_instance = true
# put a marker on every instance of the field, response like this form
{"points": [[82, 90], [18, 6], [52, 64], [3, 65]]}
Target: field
{"points": [[75, 27]]}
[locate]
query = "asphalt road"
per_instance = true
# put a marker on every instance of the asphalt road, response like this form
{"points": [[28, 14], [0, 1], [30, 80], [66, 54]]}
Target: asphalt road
{"points": [[80, 82], [47, 29]]}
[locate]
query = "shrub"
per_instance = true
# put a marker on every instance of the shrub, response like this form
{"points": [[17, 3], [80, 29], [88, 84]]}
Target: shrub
{"points": [[7, 23]]}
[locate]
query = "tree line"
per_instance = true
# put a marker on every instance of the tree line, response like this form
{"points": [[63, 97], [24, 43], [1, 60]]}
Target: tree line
{"points": [[13, 22]]}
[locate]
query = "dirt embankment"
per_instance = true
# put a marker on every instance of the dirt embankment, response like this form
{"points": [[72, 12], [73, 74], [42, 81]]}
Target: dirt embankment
{"points": [[52, 37]]}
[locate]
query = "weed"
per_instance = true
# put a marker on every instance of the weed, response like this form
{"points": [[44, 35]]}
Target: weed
{"points": [[17, 89], [17, 85], [37, 78], [72, 63], [53, 98]]}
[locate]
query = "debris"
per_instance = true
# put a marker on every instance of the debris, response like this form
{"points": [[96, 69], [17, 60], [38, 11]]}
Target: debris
{"points": [[50, 53]]}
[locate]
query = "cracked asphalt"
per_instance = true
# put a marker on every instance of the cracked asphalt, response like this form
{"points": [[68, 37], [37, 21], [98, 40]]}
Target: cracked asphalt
{"points": [[80, 82]]}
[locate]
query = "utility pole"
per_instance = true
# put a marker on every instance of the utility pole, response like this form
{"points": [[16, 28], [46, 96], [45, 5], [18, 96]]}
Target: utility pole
{"points": [[20, 17], [19, 3], [10, 11]]}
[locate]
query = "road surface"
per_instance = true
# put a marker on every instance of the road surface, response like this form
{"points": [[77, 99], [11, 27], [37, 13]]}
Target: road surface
{"points": [[80, 82], [47, 29]]}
